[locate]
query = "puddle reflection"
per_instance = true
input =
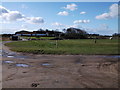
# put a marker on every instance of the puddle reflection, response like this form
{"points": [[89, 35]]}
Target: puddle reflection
{"points": [[8, 62], [10, 56], [46, 64], [114, 56], [22, 65]]}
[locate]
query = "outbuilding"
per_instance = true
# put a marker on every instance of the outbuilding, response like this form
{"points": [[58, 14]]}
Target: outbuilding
{"points": [[14, 38]]}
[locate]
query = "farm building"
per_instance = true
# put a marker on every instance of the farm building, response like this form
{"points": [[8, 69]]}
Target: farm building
{"points": [[27, 33], [14, 37], [37, 33]]}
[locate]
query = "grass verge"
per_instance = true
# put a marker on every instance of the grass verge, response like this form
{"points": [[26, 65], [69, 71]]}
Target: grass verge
{"points": [[73, 47]]}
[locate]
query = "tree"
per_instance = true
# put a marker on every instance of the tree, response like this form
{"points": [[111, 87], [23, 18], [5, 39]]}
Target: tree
{"points": [[74, 33], [64, 30], [116, 34]]}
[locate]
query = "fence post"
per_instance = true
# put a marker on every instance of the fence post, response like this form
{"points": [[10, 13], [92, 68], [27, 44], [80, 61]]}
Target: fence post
{"points": [[56, 44]]}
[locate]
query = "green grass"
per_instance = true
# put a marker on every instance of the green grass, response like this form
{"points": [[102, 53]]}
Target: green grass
{"points": [[74, 47]]}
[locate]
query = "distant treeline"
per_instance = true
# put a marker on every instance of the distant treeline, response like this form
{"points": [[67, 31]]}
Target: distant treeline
{"points": [[69, 33]]}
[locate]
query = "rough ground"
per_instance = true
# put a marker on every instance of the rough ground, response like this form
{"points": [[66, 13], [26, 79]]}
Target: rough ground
{"points": [[63, 71]]}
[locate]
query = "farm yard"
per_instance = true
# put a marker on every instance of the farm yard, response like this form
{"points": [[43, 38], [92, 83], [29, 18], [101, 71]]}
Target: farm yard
{"points": [[51, 62], [59, 45], [24, 70], [72, 47]]}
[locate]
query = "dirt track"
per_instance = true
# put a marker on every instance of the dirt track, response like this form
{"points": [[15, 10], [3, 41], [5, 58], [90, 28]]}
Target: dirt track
{"points": [[61, 71]]}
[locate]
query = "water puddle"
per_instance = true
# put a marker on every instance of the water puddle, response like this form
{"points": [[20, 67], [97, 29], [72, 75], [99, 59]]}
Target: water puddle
{"points": [[114, 56], [18, 65], [45, 64], [8, 62], [10, 56], [21, 57], [22, 65]]}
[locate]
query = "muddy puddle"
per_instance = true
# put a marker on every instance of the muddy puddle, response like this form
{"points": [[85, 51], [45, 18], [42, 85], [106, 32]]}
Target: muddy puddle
{"points": [[12, 55], [16, 64], [8, 62], [46, 64], [111, 56], [22, 65]]}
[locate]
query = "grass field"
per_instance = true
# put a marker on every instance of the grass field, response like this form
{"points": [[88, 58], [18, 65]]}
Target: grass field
{"points": [[74, 47]]}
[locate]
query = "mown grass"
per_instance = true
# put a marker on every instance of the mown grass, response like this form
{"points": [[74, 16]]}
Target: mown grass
{"points": [[74, 47]]}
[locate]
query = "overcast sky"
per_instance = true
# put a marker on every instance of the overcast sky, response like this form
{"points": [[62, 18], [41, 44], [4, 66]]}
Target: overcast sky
{"points": [[94, 17]]}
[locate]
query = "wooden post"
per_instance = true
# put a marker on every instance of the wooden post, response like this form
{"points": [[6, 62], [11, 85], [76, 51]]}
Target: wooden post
{"points": [[56, 44], [95, 40]]}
